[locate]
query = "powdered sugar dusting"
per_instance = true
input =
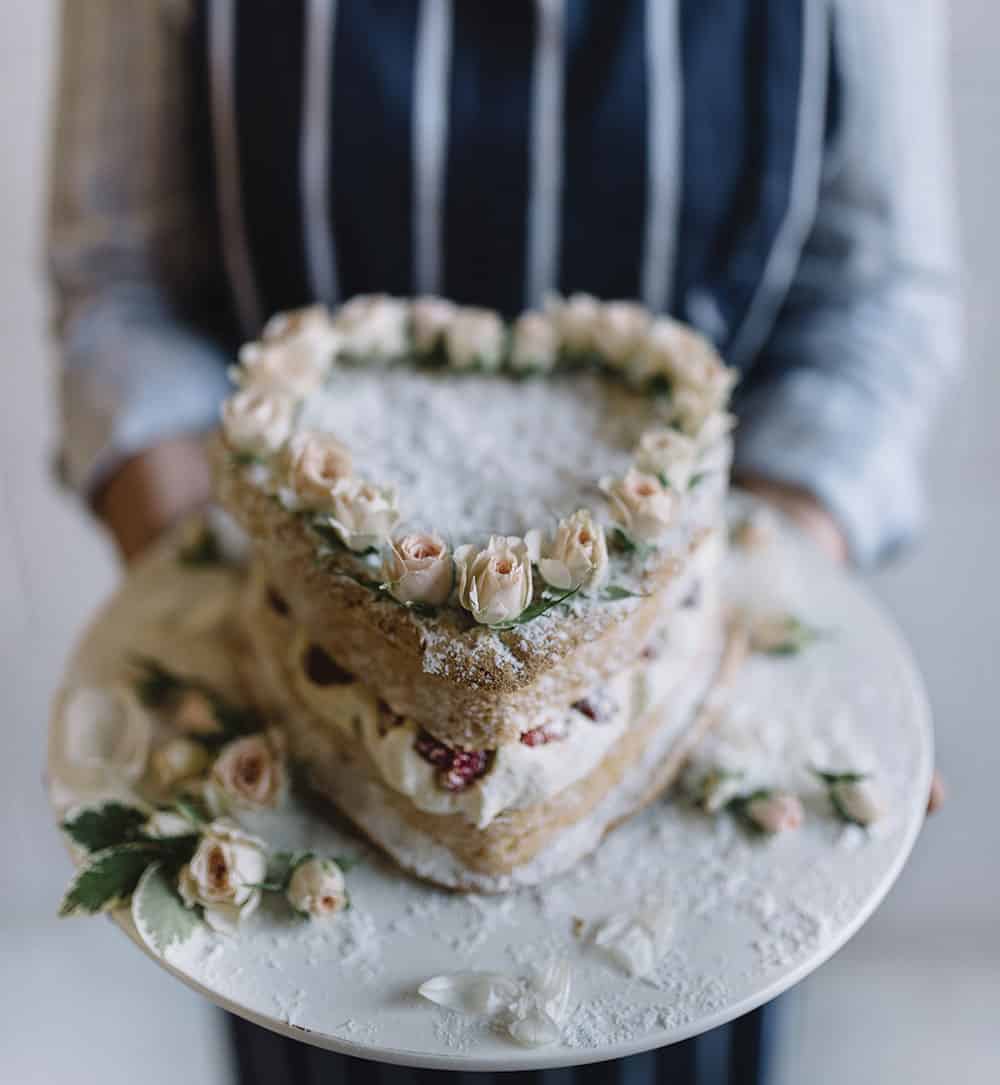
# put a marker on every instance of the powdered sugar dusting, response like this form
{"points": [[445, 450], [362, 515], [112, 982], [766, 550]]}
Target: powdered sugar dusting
{"points": [[477, 454]]}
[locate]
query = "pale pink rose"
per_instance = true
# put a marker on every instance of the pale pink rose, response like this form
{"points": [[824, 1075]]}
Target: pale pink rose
{"points": [[374, 327], [619, 330], [293, 366], [667, 454], [576, 556], [430, 318], [315, 462], [418, 569], [775, 812], [317, 888], [194, 714], [257, 420], [312, 324], [534, 343], [250, 771], [575, 318], [475, 337], [361, 513], [224, 875], [857, 801], [644, 506], [494, 584]]}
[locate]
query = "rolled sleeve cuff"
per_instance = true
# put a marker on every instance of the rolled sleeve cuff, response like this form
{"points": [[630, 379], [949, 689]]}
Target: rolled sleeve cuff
{"points": [[127, 386], [816, 432]]}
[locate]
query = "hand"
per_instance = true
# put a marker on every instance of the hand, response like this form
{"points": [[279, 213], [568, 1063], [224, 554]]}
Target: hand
{"points": [[803, 509], [153, 490]]}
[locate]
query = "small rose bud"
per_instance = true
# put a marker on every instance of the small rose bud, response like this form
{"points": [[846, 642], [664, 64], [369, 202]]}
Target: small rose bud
{"points": [[534, 343], [430, 319], [177, 760], [317, 888], [257, 420], [475, 337], [224, 875], [361, 514], [315, 462], [494, 584], [418, 569], [774, 811], [577, 556], [250, 771], [645, 508], [856, 801]]}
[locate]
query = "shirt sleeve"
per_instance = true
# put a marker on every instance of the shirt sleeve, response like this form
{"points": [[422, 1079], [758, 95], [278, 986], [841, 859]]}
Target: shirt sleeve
{"points": [[840, 398], [136, 277]]}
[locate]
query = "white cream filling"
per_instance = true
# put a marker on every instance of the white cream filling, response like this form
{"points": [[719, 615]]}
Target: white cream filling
{"points": [[520, 775]]}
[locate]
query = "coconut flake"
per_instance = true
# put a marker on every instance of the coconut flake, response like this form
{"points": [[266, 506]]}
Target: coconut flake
{"points": [[637, 941]]}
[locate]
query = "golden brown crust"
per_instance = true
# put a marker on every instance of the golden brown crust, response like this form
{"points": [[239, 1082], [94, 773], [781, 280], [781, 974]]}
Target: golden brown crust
{"points": [[513, 838], [443, 671]]}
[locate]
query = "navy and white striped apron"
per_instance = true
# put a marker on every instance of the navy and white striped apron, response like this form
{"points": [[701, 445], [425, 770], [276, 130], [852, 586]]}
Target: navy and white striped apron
{"points": [[493, 151]]}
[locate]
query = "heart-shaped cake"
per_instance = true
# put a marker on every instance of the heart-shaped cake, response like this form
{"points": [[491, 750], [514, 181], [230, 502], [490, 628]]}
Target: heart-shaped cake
{"points": [[485, 598]]}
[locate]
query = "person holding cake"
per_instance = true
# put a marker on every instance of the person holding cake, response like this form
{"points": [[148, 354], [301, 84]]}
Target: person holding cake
{"points": [[775, 176]]}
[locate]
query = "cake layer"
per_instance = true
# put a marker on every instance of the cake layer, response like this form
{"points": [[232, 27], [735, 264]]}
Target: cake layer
{"points": [[473, 685], [522, 846], [556, 746]]}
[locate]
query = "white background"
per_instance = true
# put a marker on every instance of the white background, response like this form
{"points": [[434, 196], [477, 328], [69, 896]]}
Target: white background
{"points": [[914, 998]]}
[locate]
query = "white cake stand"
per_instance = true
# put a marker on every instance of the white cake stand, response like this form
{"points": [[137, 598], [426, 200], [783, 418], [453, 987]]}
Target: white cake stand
{"points": [[753, 917]]}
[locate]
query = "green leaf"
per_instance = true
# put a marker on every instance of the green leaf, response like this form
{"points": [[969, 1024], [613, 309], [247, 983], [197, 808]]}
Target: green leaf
{"points": [[831, 778], [797, 635], [613, 592], [245, 459], [621, 541], [107, 879], [537, 609], [192, 808], [98, 827], [158, 912], [697, 478], [329, 535], [203, 550]]}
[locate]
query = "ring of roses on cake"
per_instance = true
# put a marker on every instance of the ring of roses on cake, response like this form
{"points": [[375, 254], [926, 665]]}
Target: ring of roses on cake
{"points": [[510, 580]]}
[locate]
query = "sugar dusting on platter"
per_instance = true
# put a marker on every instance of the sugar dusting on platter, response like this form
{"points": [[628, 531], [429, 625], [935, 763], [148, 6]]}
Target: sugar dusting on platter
{"points": [[749, 916]]}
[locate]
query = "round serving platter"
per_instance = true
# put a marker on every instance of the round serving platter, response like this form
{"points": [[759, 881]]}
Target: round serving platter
{"points": [[751, 916]]}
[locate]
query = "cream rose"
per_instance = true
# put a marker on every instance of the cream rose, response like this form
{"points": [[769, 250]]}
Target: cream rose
{"points": [[430, 319], [361, 514], [577, 556], [194, 714], [619, 330], [317, 888], [101, 739], [575, 318], [283, 366], [667, 454], [644, 506], [177, 760], [312, 324], [257, 420], [418, 569], [250, 772], [534, 343], [494, 584], [314, 462], [775, 812], [857, 801], [475, 337], [224, 875], [374, 327]]}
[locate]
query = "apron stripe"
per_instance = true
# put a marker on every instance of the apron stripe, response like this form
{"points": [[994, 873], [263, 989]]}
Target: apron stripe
{"points": [[546, 152], [222, 77], [606, 156], [804, 182], [664, 143], [489, 169], [430, 140], [371, 178], [270, 36], [317, 105]]}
